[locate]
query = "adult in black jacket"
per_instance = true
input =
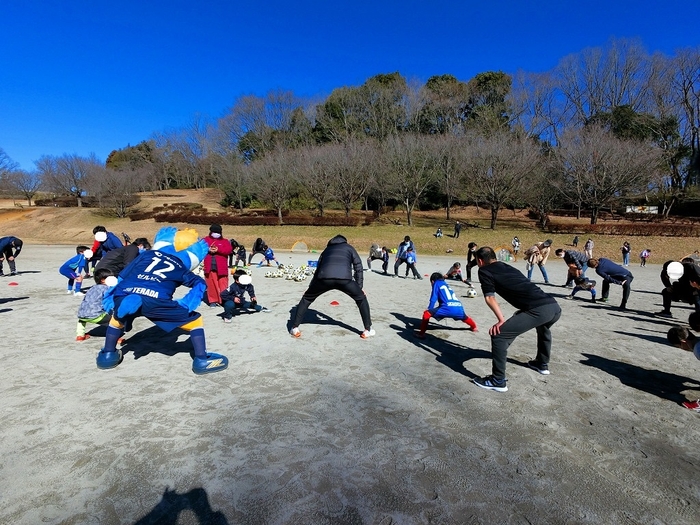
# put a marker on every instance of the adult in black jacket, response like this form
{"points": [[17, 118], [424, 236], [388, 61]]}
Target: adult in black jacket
{"points": [[339, 268], [258, 247], [117, 260], [683, 290], [9, 249]]}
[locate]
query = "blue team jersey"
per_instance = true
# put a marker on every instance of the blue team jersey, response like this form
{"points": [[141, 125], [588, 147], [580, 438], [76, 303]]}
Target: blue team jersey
{"points": [[75, 263], [444, 302], [155, 274], [269, 254]]}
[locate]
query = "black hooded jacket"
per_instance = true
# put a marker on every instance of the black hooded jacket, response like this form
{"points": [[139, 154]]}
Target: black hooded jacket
{"points": [[339, 261]]}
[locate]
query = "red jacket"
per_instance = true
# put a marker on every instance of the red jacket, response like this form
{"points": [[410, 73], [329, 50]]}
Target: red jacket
{"points": [[224, 250]]}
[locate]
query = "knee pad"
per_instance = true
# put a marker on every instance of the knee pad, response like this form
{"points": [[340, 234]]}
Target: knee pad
{"points": [[212, 363]]}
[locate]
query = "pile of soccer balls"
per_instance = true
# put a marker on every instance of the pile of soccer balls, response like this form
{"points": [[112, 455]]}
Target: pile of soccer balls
{"points": [[291, 273]]}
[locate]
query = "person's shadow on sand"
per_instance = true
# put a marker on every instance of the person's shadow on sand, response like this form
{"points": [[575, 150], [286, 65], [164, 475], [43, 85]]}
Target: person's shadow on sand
{"points": [[446, 352], [168, 509], [316, 317], [661, 384], [153, 339]]}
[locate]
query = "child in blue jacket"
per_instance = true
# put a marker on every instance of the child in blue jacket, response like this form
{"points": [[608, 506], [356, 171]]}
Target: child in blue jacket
{"points": [[411, 263], [74, 267], [269, 256], [443, 304]]}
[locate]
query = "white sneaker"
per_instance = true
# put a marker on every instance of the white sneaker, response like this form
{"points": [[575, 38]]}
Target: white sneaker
{"points": [[69, 291], [367, 333], [79, 294], [295, 332]]}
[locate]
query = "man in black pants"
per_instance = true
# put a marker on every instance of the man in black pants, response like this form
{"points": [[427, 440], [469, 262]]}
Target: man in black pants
{"points": [[337, 266], [612, 273], [685, 289], [536, 309]]}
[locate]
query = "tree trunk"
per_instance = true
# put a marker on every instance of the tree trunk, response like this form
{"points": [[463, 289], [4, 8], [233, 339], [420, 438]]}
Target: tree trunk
{"points": [[409, 218], [594, 215], [494, 217], [279, 216]]}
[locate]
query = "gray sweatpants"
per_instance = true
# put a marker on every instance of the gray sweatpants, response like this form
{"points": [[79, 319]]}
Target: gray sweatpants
{"points": [[540, 318]]}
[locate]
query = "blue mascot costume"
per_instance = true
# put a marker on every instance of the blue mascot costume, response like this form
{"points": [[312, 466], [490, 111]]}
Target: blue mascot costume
{"points": [[146, 287]]}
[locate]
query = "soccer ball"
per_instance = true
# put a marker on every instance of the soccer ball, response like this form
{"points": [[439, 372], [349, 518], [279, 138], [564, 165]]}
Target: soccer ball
{"points": [[471, 293]]}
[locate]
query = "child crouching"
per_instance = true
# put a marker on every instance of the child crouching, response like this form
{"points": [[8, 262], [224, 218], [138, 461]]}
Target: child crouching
{"points": [[455, 272], [91, 309], [443, 304], [583, 283], [234, 298]]}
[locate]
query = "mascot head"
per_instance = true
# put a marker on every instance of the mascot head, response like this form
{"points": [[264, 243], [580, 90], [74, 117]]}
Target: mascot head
{"points": [[183, 244]]}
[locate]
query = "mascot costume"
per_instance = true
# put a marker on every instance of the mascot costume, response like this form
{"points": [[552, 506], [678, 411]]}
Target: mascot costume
{"points": [[146, 287]]}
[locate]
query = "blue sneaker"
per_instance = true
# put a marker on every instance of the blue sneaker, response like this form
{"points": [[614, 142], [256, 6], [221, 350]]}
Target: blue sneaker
{"points": [[107, 360], [212, 363], [491, 383]]}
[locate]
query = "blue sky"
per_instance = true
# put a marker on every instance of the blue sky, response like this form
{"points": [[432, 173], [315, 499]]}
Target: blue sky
{"points": [[89, 77]]}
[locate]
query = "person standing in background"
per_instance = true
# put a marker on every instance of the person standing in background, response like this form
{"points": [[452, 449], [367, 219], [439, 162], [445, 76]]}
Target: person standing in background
{"points": [[216, 265], [626, 249]]}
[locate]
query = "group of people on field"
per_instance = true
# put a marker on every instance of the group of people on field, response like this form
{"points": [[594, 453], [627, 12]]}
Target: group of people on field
{"points": [[136, 278]]}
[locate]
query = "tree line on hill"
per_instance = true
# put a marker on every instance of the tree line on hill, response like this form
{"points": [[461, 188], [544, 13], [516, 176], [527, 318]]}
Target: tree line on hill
{"points": [[608, 126]]}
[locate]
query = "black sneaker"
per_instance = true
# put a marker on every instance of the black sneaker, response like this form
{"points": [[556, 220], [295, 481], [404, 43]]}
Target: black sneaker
{"points": [[491, 383], [539, 367], [664, 313]]}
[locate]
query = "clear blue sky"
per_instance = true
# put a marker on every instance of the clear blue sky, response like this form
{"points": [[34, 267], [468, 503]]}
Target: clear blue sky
{"points": [[92, 76]]}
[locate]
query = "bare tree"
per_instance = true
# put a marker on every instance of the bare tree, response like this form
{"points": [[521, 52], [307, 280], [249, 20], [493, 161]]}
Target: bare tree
{"points": [[272, 178], [411, 168], [118, 190], [232, 178], [597, 80], [68, 174], [316, 175], [499, 165], [6, 163], [354, 169], [256, 125], [686, 88], [448, 172], [598, 168], [537, 107], [25, 183]]}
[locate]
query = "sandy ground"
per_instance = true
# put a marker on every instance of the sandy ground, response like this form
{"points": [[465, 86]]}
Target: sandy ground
{"points": [[333, 429]]}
